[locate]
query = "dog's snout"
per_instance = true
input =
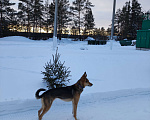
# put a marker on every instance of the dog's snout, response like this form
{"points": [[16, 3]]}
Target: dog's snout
{"points": [[90, 84]]}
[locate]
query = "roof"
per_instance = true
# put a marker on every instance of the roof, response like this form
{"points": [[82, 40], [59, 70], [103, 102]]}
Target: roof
{"points": [[89, 38]]}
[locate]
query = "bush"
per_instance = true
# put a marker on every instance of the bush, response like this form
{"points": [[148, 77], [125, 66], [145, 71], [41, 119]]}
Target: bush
{"points": [[56, 74]]}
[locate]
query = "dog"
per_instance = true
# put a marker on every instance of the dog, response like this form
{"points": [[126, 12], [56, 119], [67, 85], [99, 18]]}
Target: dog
{"points": [[69, 93]]}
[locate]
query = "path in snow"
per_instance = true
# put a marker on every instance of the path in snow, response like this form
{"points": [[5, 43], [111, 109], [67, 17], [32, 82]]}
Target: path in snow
{"points": [[118, 105]]}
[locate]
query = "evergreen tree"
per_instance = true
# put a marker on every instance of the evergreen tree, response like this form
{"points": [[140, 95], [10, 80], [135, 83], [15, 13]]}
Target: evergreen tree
{"points": [[129, 19], [74, 31], [63, 15], [56, 74], [5, 9], [117, 22], [97, 32], [48, 21], [147, 15], [125, 20], [88, 17], [37, 15], [25, 13], [13, 20], [108, 31], [77, 8], [52, 11], [22, 22], [136, 18], [88, 21], [102, 31]]}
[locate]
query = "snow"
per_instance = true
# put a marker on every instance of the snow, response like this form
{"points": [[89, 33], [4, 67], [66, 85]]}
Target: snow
{"points": [[89, 38], [120, 76]]}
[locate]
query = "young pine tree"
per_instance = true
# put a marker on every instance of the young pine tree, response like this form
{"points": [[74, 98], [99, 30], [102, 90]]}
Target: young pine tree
{"points": [[56, 74]]}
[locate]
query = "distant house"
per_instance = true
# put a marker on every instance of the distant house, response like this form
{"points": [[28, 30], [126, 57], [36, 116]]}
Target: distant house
{"points": [[92, 41]]}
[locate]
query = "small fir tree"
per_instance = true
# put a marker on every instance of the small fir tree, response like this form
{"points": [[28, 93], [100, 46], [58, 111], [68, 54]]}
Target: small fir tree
{"points": [[56, 74]]}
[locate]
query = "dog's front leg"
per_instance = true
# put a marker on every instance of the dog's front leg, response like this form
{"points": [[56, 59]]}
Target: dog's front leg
{"points": [[75, 111], [75, 104]]}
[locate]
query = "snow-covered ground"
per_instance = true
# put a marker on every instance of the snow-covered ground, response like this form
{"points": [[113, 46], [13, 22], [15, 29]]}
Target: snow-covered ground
{"points": [[121, 79]]}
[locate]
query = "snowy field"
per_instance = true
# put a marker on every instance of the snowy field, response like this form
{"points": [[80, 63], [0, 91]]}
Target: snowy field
{"points": [[121, 79]]}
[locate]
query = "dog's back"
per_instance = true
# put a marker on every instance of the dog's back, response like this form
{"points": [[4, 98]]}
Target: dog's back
{"points": [[62, 93]]}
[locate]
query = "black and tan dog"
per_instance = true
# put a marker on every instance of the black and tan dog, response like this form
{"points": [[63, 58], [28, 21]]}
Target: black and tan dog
{"points": [[69, 93]]}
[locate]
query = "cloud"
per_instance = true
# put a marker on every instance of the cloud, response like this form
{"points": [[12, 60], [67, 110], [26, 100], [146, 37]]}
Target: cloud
{"points": [[103, 10], [102, 5]]}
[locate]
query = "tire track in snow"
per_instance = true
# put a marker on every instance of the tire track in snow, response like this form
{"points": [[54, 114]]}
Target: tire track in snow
{"points": [[29, 71], [146, 93]]}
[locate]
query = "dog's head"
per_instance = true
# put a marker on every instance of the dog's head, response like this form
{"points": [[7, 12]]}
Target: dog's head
{"points": [[85, 81]]}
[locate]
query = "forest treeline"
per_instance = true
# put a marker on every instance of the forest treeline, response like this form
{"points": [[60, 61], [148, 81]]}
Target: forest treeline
{"points": [[36, 16]]}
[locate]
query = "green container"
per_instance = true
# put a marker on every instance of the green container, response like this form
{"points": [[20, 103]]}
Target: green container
{"points": [[126, 42], [143, 36], [143, 39]]}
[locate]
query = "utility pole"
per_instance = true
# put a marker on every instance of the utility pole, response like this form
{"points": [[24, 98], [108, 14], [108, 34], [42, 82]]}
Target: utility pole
{"points": [[55, 26], [112, 27]]}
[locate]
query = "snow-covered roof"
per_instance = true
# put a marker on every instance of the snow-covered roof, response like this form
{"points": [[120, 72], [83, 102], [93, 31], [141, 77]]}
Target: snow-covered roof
{"points": [[89, 38]]}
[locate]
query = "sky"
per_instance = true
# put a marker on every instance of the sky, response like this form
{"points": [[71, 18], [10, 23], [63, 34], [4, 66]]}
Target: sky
{"points": [[102, 10]]}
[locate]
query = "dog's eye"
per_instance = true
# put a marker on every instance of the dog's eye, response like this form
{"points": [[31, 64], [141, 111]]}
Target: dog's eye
{"points": [[86, 80]]}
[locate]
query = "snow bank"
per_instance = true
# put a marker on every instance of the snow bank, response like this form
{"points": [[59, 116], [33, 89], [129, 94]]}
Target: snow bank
{"points": [[22, 60]]}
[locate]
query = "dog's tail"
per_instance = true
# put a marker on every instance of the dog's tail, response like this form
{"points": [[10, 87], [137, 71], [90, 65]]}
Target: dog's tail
{"points": [[37, 93]]}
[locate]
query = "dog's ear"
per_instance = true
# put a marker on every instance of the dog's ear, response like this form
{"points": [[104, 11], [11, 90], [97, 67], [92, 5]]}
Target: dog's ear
{"points": [[85, 74]]}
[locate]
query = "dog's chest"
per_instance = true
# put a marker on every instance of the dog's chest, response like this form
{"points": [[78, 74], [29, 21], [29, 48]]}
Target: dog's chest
{"points": [[67, 100]]}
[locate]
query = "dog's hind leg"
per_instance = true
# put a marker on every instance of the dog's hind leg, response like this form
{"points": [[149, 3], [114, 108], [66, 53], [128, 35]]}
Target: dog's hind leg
{"points": [[72, 106], [39, 112], [45, 108], [43, 112]]}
